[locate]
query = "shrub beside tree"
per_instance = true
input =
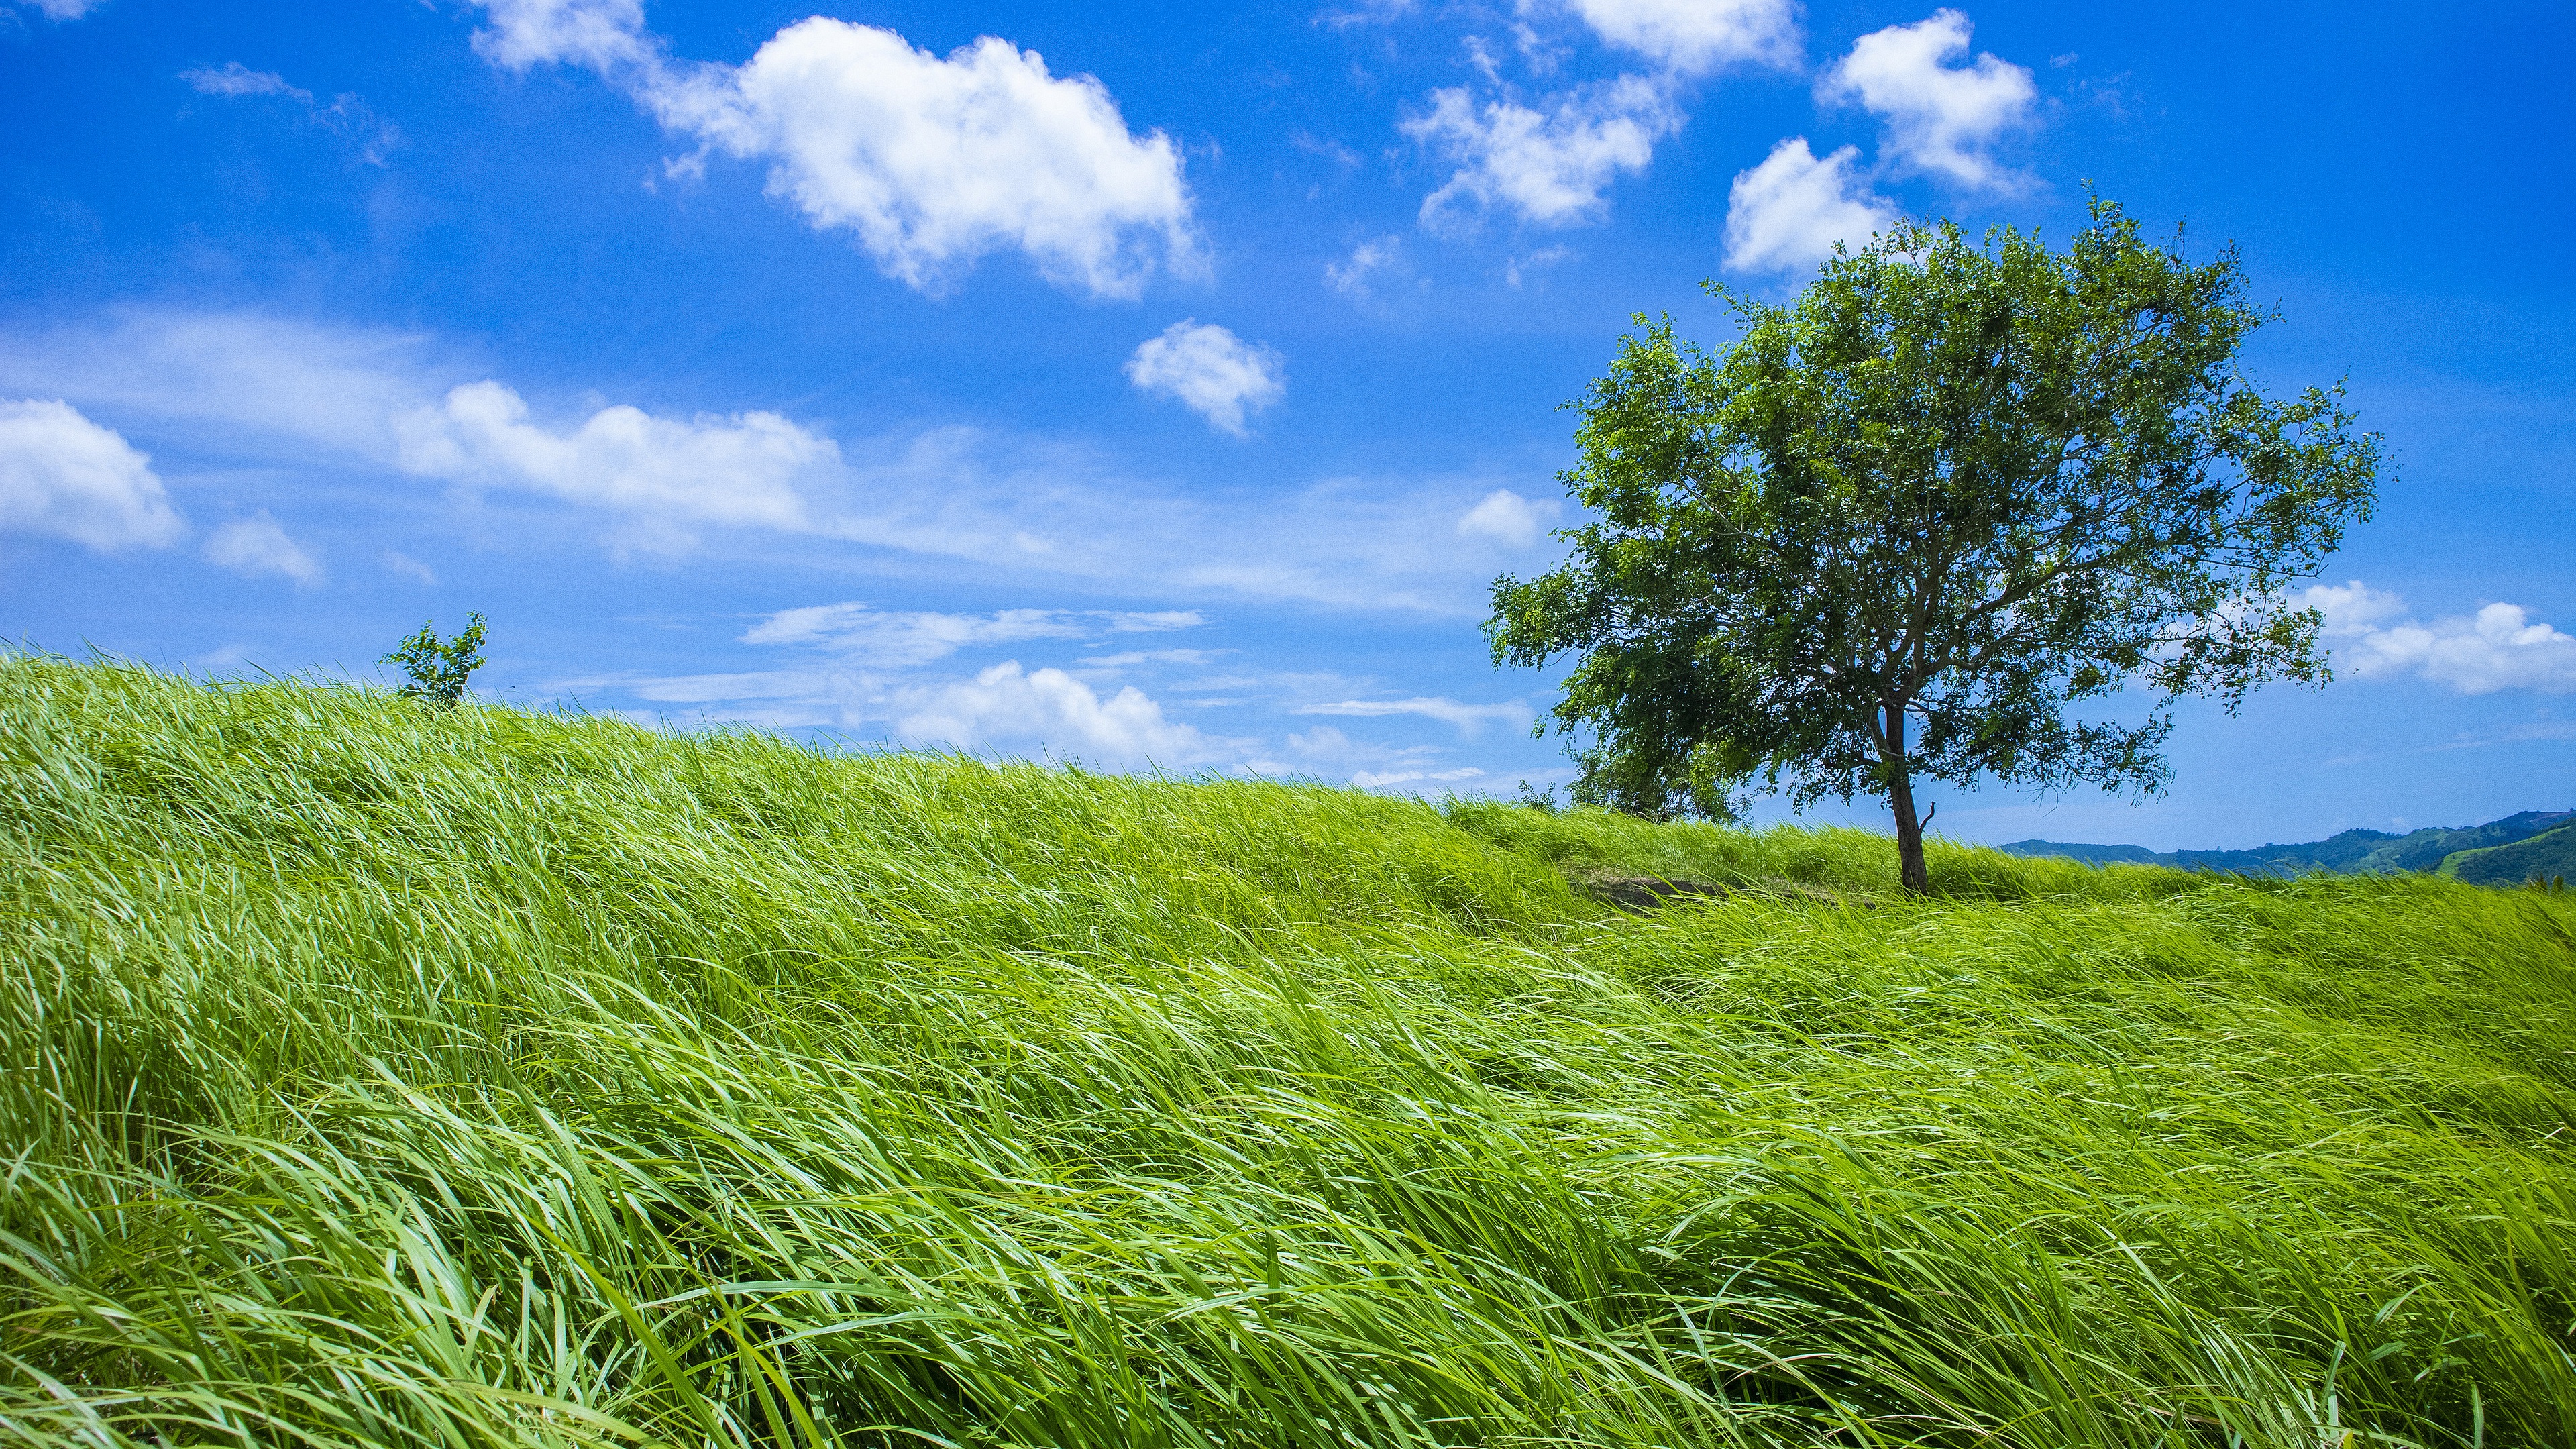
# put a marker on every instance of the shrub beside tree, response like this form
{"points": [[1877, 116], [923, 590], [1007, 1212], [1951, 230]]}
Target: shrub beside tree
{"points": [[1915, 520], [439, 668]]}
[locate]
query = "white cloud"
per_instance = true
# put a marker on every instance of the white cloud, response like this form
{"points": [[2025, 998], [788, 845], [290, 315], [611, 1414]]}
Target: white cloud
{"points": [[256, 545], [1056, 713], [1367, 12], [1210, 369], [1786, 214], [855, 683], [232, 380], [1540, 260], [1507, 518], [1939, 118], [1693, 37], [237, 79], [900, 640], [929, 163], [1549, 167], [410, 568], [2351, 609], [1133, 657], [2497, 648], [1328, 753], [1369, 259], [664, 474], [300, 397], [347, 114], [1469, 718], [66, 9], [63, 475], [1372, 780], [1155, 621], [1482, 57], [894, 639], [600, 34]]}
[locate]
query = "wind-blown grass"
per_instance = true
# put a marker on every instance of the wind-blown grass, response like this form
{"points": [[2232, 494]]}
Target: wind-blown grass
{"points": [[379, 1075]]}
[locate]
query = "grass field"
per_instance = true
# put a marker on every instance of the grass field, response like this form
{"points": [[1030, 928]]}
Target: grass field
{"points": [[381, 1076]]}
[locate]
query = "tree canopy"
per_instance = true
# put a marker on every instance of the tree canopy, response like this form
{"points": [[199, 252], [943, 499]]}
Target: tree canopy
{"points": [[1915, 521]]}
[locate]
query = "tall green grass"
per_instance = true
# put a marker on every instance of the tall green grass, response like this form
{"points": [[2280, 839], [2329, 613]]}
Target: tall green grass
{"points": [[376, 1075]]}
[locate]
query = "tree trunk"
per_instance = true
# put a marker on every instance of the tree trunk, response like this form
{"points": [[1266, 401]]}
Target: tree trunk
{"points": [[1909, 833], [1900, 797]]}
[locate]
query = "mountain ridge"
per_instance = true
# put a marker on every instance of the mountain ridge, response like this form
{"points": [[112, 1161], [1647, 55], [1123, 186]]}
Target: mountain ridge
{"points": [[2353, 852]]}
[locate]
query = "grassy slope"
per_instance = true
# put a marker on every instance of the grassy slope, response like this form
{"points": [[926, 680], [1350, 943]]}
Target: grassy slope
{"points": [[2541, 856], [373, 1076]]}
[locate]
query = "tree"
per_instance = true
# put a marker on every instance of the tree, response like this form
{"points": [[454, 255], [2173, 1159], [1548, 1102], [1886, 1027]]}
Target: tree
{"points": [[439, 668], [1912, 518]]}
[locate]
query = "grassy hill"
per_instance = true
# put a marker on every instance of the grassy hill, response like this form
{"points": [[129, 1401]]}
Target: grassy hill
{"points": [[2550, 857], [379, 1076], [2352, 852]]}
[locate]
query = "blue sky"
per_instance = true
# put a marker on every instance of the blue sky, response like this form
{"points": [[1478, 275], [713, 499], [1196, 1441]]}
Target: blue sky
{"points": [[1165, 386]]}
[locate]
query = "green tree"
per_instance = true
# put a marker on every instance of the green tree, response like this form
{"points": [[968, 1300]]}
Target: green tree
{"points": [[439, 668], [1910, 518]]}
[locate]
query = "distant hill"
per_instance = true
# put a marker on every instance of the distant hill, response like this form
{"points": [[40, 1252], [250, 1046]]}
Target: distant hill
{"points": [[2551, 855], [2506, 851]]}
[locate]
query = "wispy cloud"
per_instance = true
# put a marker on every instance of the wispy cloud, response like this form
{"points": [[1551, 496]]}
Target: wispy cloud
{"points": [[1375, 780], [284, 393], [899, 639], [259, 545], [1368, 266], [348, 115], [1469, 719]]}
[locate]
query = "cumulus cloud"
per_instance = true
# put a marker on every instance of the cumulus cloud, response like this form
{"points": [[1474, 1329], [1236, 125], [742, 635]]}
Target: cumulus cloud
{"points": [[2499, 647], [1548, 167], [1054, 712], [1693, 37], [1786, 214], [665, 474], [1214, 372], [600, 34], [63, 475], [257, 545], [1468, 718], [1507, 518], [1940, 117], [929, 163]]}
